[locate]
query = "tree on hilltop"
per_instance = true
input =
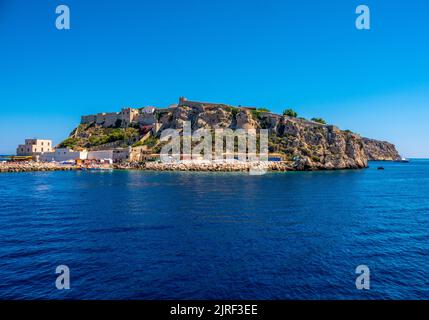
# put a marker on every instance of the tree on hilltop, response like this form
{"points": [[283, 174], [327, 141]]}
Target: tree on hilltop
{"points": [[290, 113], [319, 120]]}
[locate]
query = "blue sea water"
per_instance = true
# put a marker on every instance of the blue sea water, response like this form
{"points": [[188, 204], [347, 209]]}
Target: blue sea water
{"points": [[171, 235]]}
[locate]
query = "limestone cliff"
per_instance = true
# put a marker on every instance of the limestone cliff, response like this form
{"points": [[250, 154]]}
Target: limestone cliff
{"points": [[305, 144], [380, 150]]}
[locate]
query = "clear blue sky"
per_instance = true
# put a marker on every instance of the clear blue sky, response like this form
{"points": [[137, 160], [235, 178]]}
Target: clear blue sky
{"points": [[304, 54]]}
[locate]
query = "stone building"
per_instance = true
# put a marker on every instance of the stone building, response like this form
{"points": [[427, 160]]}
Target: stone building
{"points": [[33, 147], [147, 116], [116, 155], [63, 155]]}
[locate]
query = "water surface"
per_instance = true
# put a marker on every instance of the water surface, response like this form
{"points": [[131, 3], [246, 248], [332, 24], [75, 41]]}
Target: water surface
{"points": [[172, 235]]}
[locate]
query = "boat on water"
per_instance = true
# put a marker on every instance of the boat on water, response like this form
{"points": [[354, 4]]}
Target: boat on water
{"points": [[404, 160]]}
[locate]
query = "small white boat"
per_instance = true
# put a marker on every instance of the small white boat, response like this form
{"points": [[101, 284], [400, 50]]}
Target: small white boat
{"points": [[404, 160]]}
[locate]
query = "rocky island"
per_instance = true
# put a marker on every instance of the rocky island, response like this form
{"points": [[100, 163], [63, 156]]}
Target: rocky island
{"points": [[131, 139], [297, 143]]}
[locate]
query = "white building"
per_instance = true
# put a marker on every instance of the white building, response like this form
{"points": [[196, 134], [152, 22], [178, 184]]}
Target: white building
{"points": [[100, 155], [116, 155], [34, 147], [63, 155]]}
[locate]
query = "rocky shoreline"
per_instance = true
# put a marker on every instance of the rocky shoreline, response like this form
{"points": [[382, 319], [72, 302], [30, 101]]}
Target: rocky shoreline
{"points": [[32, 166], [203, 166], [208, 166], [280, 166]]}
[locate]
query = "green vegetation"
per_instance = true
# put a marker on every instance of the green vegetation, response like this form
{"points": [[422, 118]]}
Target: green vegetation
{"points": [[315, 158], [151, 142], [263, 110], [69, 143], [257, 113], [95, 136], [138, 144], [234, 111], [318, 120], [115, 135], [290, 113]]}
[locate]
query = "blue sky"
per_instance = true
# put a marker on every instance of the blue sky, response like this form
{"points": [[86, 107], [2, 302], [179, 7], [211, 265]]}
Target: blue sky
{"points": [[304, 54]]}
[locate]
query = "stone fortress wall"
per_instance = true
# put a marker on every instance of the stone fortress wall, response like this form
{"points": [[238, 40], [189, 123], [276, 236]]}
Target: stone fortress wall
{"points": [[200, 106], [149, 116], [123, 118], [146, 116]]}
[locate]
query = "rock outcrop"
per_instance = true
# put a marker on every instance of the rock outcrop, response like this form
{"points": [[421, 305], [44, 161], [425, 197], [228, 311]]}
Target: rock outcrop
{"points": [[305, 145], [380, 150]]}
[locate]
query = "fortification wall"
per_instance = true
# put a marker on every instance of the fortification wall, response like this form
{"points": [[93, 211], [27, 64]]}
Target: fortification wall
{"points": [[107, 119], [129, 116], [88, 119], [147, 119]]}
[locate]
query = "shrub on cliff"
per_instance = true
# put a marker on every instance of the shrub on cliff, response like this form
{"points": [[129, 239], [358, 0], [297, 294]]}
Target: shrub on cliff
{"points": [[68, 143], [290, 113], [318, 120], [234, 111], [263, 110], [108, 135], [151, 142], [138, 144], [257, 113]]}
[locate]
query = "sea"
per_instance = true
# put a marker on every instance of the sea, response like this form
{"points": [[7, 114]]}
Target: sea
{"points": [[193, 235]]}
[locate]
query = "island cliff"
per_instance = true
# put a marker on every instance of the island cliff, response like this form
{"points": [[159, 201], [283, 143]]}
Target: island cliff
{"points": [[301, 143], [380, 150]]}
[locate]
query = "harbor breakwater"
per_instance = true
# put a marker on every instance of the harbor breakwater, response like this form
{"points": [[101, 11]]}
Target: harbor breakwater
{"points": [[208, 166], [225, 166], [34, 166]]}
